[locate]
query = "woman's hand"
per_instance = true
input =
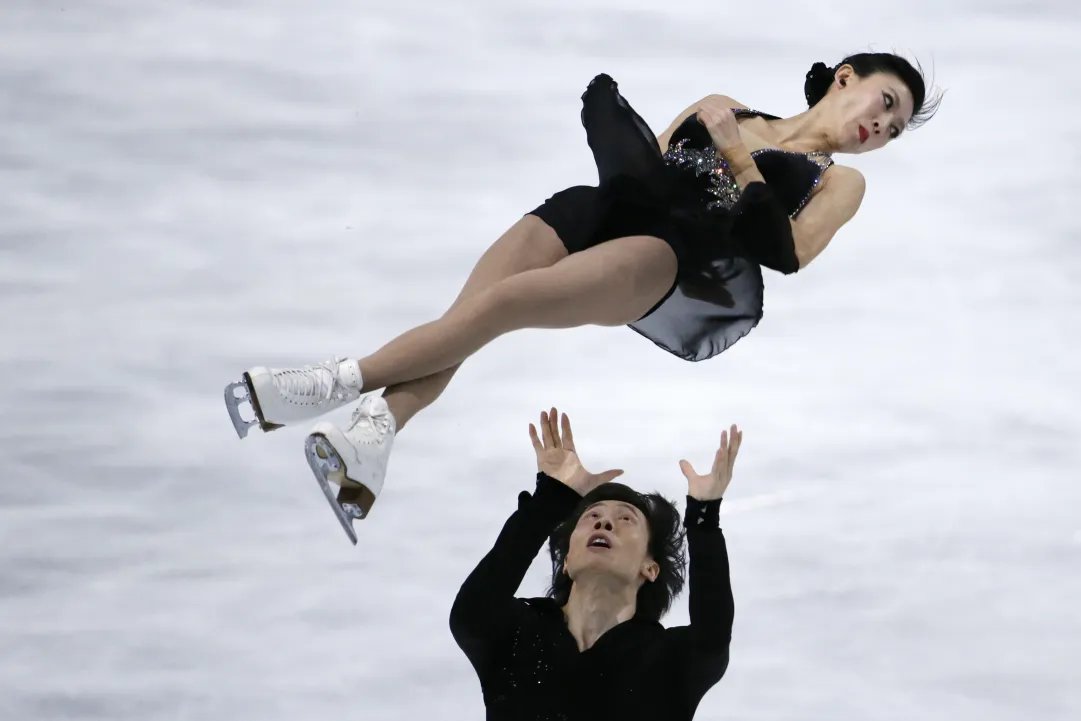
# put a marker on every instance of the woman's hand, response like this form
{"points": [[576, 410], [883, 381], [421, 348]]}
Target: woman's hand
{"points": [[722, 126]]}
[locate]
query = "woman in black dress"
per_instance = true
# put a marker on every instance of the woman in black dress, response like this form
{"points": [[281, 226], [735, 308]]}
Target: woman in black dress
{"points": [[594, 647], [670, 242]]}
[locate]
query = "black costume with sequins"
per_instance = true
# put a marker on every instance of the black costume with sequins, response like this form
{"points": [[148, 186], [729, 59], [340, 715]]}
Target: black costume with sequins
{"points": [[528, 662], [688, 197]]}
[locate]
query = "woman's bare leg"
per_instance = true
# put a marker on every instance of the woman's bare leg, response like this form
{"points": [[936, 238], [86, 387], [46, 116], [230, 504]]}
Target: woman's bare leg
{"points": [[611, 284], [529, 244]]}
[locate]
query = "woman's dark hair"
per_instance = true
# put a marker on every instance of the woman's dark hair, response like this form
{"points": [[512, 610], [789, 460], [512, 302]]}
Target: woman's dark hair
{"points": [[820, 77], [666, 539]]}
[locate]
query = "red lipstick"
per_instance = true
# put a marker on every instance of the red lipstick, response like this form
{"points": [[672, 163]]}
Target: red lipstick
{"points": [[864, 134]]}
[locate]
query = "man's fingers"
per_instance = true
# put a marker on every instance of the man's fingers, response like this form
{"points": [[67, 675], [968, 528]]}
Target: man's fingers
{"points": [[553, 430], [546, 430], [533, 437], [688, 470], [719, 456], [737, 439], [609, 475], [568, 437], [720, 460]]}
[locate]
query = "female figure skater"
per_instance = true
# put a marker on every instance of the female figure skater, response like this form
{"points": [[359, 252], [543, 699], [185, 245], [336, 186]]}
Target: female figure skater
{"points": [[594, 648], [671, 242]]}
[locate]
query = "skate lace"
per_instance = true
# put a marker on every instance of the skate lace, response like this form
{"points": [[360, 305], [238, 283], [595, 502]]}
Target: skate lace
{"points": [[314, 381], [371, 425]]}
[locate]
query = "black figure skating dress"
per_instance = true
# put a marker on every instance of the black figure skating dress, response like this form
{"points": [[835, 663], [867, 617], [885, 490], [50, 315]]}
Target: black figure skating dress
{"points": [[527, 661], [689, 198]]}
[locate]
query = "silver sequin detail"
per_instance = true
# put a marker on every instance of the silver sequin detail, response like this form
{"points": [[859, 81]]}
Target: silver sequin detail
{"points": [[722, 181]]}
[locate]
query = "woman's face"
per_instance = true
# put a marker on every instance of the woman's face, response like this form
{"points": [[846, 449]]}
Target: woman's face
{"points": [[867, 112]]}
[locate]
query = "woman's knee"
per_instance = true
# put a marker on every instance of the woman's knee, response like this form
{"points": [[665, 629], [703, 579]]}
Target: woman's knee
{"points": [[502, 307], [611, 284], [529, 244]]}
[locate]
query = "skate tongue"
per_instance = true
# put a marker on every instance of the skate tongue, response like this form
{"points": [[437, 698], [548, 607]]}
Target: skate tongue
{"points": [[377, 423]]}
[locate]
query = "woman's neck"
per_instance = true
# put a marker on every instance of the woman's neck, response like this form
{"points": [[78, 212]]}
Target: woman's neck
{"points": [[803, 133]]}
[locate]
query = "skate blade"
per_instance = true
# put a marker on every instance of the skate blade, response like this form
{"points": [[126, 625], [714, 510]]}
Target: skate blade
{"points": [[232, 404], [328, 468]]}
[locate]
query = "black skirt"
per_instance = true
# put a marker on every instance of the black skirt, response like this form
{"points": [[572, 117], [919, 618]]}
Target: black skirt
{"points": [[717, 296]]}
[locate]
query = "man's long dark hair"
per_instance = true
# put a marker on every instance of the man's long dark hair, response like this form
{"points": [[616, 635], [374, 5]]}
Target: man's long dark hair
{"points": [[666, 547]]}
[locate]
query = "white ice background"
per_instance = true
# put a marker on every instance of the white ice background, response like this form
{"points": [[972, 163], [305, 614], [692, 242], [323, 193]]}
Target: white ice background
{"points": [[189, 188]]}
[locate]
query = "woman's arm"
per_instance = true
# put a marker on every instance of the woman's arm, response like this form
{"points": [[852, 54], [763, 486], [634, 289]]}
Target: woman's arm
{"points": [[718, 102], [835, 202], [781, 243], [839, 196]]}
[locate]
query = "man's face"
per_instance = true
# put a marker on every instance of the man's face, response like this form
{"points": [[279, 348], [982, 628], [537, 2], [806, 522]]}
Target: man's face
{"points": [[611, 538]]}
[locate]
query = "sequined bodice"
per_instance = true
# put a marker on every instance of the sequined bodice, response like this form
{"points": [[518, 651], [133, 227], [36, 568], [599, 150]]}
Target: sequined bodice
{"points": [[791, 176]]}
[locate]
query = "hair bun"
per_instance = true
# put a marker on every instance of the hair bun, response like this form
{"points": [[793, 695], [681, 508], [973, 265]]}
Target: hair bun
{"points": [[819, 80]]}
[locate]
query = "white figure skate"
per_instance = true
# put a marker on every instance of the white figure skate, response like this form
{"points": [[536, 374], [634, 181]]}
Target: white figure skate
{"points": [[280, 396], [355, 461]]}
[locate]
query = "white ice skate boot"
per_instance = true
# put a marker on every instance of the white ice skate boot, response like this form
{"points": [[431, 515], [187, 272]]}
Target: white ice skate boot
{"points": [[355, 461], [280, 396]]}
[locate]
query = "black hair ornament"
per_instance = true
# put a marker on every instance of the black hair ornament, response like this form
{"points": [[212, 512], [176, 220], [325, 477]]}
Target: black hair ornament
{"points": [[818, 82]]}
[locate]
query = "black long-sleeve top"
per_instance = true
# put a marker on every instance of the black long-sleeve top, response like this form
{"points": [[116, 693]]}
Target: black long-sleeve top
{"points": [[528, 663]]}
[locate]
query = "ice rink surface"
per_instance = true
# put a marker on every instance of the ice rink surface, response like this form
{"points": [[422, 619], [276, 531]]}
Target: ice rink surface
{"points": [[190, 188]]}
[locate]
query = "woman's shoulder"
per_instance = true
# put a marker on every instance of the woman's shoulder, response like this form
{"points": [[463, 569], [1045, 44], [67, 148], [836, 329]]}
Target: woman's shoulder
{"points": [[845, 175], [727, 101], [844, 185]]}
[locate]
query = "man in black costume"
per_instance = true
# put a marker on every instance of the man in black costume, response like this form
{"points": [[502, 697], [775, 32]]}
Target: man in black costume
{"points": [[594, 647]]}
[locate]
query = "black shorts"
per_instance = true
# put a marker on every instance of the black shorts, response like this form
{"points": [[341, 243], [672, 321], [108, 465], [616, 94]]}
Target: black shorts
{"points": [[583, 218]]}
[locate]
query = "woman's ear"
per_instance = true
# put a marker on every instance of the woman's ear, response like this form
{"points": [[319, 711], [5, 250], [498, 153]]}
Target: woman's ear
{"points": [[844, 74]]}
